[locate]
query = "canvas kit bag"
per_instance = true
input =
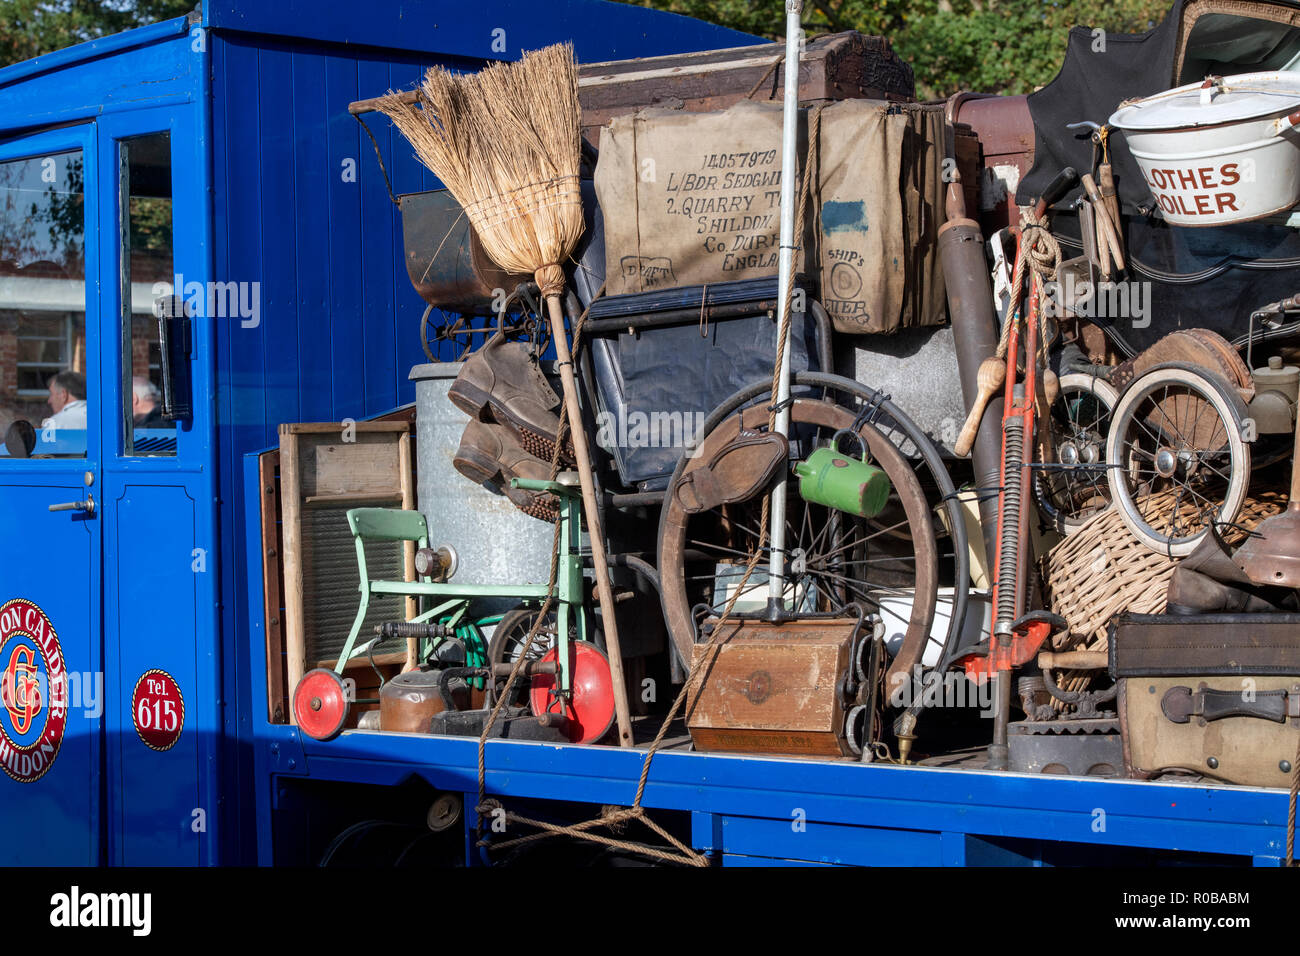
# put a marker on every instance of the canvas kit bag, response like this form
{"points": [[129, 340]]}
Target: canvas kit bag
{"points": [[695, 198], [1217, 695]]}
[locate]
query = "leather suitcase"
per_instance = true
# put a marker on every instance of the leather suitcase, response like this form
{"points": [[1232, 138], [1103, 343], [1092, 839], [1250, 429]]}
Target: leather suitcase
{"points": [[1217, 695]]}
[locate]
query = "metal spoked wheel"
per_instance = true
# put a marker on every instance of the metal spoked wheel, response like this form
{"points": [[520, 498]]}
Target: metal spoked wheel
{"points": [[508, 643], [1073, 486], [454, 339], [1181, 462], [832, 558]]}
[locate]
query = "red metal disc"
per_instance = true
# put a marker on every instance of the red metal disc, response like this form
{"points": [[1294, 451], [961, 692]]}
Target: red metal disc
{"points": [[592, 712], [320, 704]]}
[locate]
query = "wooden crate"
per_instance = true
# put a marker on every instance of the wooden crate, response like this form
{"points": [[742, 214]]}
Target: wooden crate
{"points": [[837, 67], [326, 470], [773, 688]]}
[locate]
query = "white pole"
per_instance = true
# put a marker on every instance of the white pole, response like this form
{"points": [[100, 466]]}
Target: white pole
{"points": [[789, 183]]}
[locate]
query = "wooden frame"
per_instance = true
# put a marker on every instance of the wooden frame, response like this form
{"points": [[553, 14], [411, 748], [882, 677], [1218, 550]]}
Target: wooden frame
{"points": [[331, 465]]}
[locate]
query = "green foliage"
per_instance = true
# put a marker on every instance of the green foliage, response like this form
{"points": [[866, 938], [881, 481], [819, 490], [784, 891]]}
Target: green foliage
{"points": [[990, 46], [30, 28]]}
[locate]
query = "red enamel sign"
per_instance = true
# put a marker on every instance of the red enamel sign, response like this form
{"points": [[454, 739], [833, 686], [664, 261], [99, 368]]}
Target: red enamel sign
{"points": [[158, 710]]}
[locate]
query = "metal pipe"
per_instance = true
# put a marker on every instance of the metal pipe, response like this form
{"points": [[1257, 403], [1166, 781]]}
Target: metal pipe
{"points": [[785, 271], [975, 338]]}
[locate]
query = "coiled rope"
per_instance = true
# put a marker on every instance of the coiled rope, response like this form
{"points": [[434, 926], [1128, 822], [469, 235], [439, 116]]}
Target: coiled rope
{"points": [[1040, 252]]}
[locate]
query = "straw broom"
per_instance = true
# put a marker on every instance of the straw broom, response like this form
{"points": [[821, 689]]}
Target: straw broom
{"points": [[507, 143]]}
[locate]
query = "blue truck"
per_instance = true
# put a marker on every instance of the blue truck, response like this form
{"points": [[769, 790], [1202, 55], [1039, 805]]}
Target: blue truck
{"points": [[213, 157]]}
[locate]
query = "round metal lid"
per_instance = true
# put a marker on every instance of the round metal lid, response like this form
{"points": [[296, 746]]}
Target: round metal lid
{"points": [[1215, 100]]}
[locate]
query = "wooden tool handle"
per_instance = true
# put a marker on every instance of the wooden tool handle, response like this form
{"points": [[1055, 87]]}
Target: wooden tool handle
{"points": [[1074, 660], [972, 426], [1110, 194], [595, 530], [992, 374], [1107, 228]]}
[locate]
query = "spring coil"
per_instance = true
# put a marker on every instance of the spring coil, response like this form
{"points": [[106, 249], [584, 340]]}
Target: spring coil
{"points": [[1009, 549], [407, 630]]}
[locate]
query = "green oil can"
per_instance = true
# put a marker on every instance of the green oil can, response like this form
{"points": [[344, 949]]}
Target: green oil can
{"points": [[837, 481]]}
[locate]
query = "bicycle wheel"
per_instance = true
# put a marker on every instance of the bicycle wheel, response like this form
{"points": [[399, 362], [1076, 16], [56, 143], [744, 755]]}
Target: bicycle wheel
{"points": [[1177, 429], [1073, 487], [832, 558]]}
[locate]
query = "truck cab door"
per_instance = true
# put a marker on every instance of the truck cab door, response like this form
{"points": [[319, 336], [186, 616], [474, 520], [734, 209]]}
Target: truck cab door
{"points": [[51, 663]]}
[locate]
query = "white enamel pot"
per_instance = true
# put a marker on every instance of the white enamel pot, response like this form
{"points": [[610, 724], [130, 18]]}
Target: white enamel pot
{"points": [[1221, 151]]}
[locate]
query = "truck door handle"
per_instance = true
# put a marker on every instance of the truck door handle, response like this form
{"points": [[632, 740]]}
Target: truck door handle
{"points": [[86, 507]]}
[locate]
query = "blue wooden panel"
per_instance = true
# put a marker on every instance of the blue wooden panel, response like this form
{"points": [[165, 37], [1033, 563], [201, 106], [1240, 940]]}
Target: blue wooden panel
{"points": [[1211, 819], [49, 791], [409, 175], [376, 335], [279, 175], [599, 30], [238, 187], [51, 729], [85, 81], [239, 366], [153, 605], [312, 227], [813, 842], [350, 158], [161, 575]]}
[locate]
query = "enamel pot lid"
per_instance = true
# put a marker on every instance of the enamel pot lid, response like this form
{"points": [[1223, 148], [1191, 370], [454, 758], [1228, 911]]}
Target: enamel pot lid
{"points": [[1215, 101]]}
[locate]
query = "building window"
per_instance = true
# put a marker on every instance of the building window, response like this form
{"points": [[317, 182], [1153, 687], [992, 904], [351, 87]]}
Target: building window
{"points": [[47, 344]]}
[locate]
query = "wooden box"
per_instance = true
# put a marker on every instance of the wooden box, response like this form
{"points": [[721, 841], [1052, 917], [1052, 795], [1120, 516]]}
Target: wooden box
{"points": [[326, 469], [773, 688]]}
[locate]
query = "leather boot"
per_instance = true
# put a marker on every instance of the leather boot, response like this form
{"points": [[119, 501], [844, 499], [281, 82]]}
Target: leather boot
{"points": [[490, 455], [502, 383]]}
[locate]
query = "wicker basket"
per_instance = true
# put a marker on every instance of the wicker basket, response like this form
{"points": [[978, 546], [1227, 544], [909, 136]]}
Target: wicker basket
{"points": [[1102, 570]]}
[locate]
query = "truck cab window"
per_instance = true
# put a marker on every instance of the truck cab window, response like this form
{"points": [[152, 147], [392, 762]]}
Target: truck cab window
{"points": [[147, 274], [44, 406]]}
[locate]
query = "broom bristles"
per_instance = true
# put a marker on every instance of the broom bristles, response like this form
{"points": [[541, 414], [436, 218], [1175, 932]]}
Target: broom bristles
{"points": [[507, 144]]}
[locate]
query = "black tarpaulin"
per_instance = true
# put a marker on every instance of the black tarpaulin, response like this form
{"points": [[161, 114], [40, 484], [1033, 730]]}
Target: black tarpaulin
{"points": [[1101, 70], [1204, 277]]}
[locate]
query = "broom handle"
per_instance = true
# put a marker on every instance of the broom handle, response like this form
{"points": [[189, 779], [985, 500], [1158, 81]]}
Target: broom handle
{"points": [[595, 530]]}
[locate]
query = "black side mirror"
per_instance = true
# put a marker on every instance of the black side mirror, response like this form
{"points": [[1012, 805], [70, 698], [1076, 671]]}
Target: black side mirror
{"points": [[20, 439], [175, 345]]}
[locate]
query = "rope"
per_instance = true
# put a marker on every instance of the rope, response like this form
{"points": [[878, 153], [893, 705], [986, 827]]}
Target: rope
{"points": [[814, 129], [611, 818], [1039, 252], [561, 435], [771, 68], [1103, 135], [1290, 809]]}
